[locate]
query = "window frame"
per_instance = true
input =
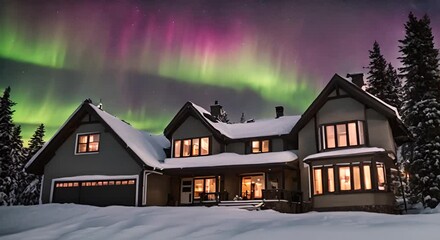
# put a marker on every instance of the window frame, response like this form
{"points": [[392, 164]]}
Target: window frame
{"points": [[260, 146], [323, 141], [78, 135], [374, 179], [191, 148]]}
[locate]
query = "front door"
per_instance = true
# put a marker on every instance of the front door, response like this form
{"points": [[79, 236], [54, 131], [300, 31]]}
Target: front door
{"points": [[186, 190], [252, 186]]}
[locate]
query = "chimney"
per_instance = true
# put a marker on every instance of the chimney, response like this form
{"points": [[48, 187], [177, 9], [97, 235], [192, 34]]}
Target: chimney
{"points": [[357, 79], [216, 109], [279, 111]]}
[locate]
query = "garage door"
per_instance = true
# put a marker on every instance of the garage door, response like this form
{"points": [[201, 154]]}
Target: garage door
{"points": [[97, 193]]}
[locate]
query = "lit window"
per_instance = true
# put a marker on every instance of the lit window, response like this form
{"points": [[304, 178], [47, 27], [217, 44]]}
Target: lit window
{"points": [[342, 135], [330, 180], [255, 146], [380, 176], [317, 181], [205, 189], [367, 177], [357, 177], [265, 146], [330, 131], [341, 131], [344, 178], [177, 145], [191, 147], [352, 133], [252, 186], [205, 146], [88, 143], [259, 146], [195, 146], [186, 148]]}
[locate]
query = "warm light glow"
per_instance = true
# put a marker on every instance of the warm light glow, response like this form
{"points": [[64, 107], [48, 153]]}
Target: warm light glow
{"points": [[205, 146], [317, 181], [352, 134], [265, 146], [195, 146], [330, 131], [255, 146], [252, 186], [367, 177], [344, 178], [330, 179], [380, 176], [357, 177], [88, 143], [341, 130], [177, 147], [361, 132], [186, 148]]}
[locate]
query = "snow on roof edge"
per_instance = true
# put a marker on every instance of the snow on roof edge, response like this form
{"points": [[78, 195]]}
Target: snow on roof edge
{"points": [[345, 152]]}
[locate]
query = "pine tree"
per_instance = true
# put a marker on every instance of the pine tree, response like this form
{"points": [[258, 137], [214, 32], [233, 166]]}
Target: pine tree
{"points": [[421, 108], [30, 193], [6, 136], [382, 81], [16, 171]]}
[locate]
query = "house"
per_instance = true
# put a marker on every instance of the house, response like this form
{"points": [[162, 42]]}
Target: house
{"points": [[339, 155]]}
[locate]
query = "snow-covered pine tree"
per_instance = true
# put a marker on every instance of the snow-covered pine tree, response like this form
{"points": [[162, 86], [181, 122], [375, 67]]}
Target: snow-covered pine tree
{"points": [[30, 194], [421, 108], [16, 171], [6, 133], [382, 80]]}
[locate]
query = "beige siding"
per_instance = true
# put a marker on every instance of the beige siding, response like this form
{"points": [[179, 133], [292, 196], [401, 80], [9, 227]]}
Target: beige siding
{"points": [[238, 147], [355, 199], [192, 128], [112, 159], [379, 131], [306, 146], [339, 110]]}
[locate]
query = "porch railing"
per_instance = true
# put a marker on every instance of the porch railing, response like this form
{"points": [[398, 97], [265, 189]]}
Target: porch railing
{"points": [[282, 194]]}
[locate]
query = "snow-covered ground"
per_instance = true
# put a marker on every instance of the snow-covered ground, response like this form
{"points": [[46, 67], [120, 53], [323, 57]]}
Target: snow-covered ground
{"points": [[68, 221]]}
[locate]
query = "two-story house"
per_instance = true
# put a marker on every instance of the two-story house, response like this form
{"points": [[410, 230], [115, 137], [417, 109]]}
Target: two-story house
{"points": [[339, 155]]}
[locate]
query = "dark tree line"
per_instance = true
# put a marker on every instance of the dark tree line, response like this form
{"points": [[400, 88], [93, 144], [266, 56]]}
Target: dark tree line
{"points": [[418, 101], [17, 187]]}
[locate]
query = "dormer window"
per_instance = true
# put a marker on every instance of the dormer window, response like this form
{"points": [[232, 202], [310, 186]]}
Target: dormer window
{"points": [[87, 143], [340, 135], [260, 146], [191, 147]]}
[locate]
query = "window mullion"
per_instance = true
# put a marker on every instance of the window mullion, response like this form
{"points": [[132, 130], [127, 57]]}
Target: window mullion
{"points": [[347, 131]]}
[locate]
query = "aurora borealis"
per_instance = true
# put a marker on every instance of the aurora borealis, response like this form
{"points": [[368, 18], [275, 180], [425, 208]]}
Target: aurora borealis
{"points": [[145, 59]]}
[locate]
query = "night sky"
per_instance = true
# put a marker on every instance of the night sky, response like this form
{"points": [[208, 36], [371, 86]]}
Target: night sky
{"points": [[146, 59]]}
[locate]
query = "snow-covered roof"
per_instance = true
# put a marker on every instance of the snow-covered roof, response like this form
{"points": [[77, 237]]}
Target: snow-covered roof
{"points": [[230, 159], [147, 147], [258, 128], [345, 152], [394, 109]]}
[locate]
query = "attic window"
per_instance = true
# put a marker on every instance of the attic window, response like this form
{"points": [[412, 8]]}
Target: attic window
{"points": [[87, 143], [340, 135]]}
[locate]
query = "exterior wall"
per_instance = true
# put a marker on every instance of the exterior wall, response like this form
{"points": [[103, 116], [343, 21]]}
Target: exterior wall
{"points": [[192, 128], [355, 199], [379, 131], [231, 185], [306, 146], [158, 189], [237, 147], [277, 145], [112, 159], [339, 110]]}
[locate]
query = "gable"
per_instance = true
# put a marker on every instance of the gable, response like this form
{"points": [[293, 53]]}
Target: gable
{"points": [[191, 127], [341, 85], [339, 110], [140, 146]]}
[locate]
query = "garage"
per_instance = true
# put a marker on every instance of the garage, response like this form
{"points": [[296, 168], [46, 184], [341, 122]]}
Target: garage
{"points": [[97, 192]]}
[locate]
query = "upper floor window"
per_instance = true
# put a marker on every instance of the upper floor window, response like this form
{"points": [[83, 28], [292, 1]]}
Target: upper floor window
{"points": [[260, 146], [342, 135], [191, 147], [87, 143]]}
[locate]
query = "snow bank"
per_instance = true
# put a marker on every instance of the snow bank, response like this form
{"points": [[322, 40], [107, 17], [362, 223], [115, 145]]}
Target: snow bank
{"points": [[68, 221]]}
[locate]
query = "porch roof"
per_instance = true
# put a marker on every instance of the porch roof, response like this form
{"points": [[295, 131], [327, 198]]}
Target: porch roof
{"points": [[230, 159], [344, 153]]}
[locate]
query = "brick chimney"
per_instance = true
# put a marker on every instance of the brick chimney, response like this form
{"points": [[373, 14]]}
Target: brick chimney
{"points": [[357, 79], [216, 109], [279, 111]]}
